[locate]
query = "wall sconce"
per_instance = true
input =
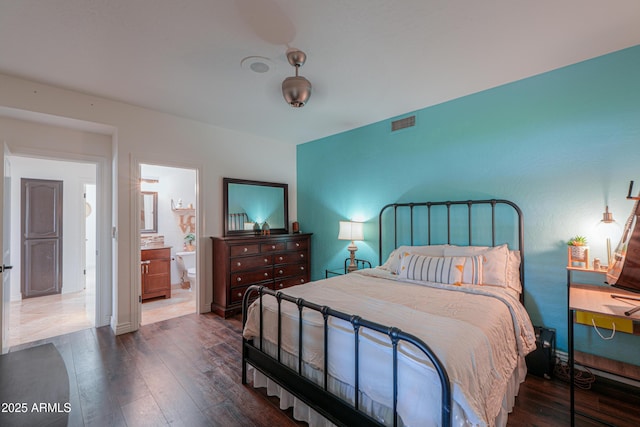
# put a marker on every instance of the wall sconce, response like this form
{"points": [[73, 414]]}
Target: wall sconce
{"points": [[609, 227], [350, 230]]}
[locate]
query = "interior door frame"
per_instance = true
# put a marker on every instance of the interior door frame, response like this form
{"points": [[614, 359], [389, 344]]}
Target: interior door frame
{"points": [[83, 244], [5, 247], [105, 268], [135, 242]]}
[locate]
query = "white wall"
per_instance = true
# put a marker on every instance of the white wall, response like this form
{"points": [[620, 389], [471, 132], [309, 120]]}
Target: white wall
{"points": [[144, 136], [73, 175]]}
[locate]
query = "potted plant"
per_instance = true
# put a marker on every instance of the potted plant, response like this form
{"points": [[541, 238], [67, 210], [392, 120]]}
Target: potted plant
{"points": [[579, 249], [188, 241]]}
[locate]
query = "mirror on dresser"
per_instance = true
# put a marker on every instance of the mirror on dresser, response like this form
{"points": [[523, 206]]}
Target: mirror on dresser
{"points": [[148, 212], [248, 205]]}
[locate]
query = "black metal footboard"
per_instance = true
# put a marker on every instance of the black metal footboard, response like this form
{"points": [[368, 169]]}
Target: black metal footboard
{"points": [[318, 397]]}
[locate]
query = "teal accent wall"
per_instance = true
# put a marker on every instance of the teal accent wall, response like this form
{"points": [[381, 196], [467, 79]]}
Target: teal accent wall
{"points": [[562, 145]]}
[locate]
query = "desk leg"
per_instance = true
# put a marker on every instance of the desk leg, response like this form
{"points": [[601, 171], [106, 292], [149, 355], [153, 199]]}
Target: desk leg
{"points": [[571, 360]]}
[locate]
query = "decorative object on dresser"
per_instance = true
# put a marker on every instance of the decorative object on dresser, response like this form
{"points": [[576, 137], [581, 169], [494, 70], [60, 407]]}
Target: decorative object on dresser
{"points": [[276, 261], [155, 269]]}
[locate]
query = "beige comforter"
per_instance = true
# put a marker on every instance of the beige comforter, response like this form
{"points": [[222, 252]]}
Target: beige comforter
{"points": [[478, 332]]}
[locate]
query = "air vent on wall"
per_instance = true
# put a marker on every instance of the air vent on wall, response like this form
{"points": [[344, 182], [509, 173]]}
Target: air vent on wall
{"points": [[407, 122]]}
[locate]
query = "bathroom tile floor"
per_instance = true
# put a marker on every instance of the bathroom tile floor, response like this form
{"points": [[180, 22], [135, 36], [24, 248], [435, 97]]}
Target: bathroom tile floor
{"points": [[48, 316], [182, 301]]}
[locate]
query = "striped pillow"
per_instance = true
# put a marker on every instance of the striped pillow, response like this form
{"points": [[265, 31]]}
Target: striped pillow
{"points": [[432, 269], [449, 270], [473, 270]]}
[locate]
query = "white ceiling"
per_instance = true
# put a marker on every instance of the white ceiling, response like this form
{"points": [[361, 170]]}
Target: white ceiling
{"points": [[368, 60]]}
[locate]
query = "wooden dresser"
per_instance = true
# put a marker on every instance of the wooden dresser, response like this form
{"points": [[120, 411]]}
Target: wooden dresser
{"points": [[155, 268], [276, 261]]}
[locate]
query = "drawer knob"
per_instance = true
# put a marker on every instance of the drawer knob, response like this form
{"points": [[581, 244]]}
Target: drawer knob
{"points": [[239, 264], [239, 279], [281, 285], [301, 255], [266, 260], [280, 258], [279, 271], [246, 249], [301, 280], [297, 244], [301, 268], [239, 294], [266, 274], [273, 246]]}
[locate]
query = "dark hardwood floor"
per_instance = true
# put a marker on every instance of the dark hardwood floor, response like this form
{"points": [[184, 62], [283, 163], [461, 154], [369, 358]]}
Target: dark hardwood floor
{"points": [[186, 371]]}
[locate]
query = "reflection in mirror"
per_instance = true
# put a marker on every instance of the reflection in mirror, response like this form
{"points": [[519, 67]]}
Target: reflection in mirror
{"points": [[249, 205], [148, 212]]}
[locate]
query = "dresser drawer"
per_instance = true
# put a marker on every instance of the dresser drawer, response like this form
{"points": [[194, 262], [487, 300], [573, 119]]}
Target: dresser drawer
{"points": [[297, 244], [238, 293], [250, 249], [290, 281], [273, 247], [290, 257], [250, 262], [290, 270], [251, 277], [160, 253]]}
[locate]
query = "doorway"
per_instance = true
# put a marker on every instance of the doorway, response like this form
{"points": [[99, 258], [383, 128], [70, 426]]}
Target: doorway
{"points": [[169, 223], [70, 308]]}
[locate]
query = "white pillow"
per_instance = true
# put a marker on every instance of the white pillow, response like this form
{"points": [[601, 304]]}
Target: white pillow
{"points": [[432, 269], [513, 271], [494, 268], [395, 258]]}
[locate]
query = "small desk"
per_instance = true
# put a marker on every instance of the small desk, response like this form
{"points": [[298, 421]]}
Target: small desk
{"points": [[597, 300]]}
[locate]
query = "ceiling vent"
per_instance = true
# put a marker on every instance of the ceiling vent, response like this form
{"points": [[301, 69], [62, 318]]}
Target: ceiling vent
{"points": [[407, 122]]}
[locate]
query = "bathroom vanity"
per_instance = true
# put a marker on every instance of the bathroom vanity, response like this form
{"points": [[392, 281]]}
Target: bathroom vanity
{"points": [[276, 261], [155, 269]]}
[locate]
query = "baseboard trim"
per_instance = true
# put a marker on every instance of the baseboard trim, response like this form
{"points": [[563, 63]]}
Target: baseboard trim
{"points": [[123, 328], [601, 361]]}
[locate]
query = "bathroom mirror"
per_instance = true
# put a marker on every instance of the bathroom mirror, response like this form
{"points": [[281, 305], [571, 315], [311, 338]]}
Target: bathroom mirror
{"points": [[249, 204], [148, 212]]}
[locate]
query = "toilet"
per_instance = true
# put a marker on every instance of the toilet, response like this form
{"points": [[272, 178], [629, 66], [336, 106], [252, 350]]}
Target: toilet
{"points": [[186, 262]]}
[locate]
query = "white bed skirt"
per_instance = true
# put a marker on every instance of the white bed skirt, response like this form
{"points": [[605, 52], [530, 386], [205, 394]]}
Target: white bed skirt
{"points": [[303, 412]]}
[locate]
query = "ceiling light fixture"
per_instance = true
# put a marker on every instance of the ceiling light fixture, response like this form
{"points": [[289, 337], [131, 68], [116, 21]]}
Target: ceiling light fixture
{"points": [[256, 64], [296, 90]]}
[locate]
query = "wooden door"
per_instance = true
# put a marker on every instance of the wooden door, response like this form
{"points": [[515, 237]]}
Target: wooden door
{"points": [[41, 203]]}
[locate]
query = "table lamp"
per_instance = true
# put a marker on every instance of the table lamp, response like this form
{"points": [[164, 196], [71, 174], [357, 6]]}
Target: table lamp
{"points": [[350, 230]]}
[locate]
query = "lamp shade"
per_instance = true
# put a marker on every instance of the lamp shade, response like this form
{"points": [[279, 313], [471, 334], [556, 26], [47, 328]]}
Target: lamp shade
{"points": [[350, 230]]}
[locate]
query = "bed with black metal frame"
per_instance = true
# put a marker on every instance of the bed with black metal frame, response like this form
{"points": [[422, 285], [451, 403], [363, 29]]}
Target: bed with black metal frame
{"points": [[317, 396]]}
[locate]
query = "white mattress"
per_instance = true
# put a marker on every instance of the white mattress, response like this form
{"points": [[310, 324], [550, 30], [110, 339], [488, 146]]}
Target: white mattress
{"points": [[481, 334]]}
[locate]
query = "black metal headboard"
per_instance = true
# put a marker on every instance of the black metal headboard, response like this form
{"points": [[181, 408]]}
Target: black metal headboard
{"points": [[412, 224]]}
